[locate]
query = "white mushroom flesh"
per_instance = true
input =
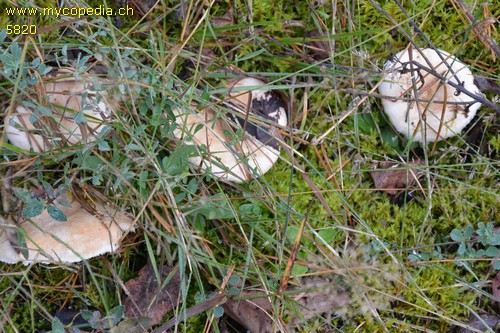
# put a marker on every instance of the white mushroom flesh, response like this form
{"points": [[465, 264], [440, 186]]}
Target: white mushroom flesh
{"points": [[419, 99]]}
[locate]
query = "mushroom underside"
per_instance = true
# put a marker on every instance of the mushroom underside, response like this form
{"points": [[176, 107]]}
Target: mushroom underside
{"points": [[83, 236], [77, 114]]}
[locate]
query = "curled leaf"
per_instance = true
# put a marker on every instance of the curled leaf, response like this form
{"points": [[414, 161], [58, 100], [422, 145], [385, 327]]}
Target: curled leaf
{"points": [[148, 298], [251, 310], [394, 177]]}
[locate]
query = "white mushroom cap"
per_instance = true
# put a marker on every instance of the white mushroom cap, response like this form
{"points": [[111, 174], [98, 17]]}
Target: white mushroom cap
{"points": [[419, 104], [83, 236], [65, 96], [230, 157]]}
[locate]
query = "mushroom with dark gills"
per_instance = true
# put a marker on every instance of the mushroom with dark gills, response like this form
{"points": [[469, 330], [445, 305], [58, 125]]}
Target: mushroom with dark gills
{"points": [[75, 112], [428, 94], [244, 143]]}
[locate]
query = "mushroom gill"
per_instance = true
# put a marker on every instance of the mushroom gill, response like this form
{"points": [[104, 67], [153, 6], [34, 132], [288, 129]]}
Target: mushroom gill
{"points": [[84, 235]]}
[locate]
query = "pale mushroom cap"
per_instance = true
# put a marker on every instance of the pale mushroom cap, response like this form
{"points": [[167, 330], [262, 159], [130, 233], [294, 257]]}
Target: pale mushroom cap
{"points": [[440, 111], [229, 157], [83, 236], [226, 160], [65, 97]]}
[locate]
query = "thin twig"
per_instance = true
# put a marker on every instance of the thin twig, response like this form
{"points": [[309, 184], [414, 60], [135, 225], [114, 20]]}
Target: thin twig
{"points": [[195, 310], [480, 33]]}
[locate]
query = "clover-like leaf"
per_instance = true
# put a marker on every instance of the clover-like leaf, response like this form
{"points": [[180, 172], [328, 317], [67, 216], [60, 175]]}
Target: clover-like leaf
{"points": [[114, 317], [457, 235], [56, 213], [57, 326], [33, 205], [92, 317], [492, 251], [218, 311]]}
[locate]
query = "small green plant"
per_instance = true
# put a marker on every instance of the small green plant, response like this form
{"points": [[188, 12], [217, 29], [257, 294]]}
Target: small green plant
{"points": [[34, 204], [474, 244], [97, 321], [483, 241], [15, 68], [94, 320]]}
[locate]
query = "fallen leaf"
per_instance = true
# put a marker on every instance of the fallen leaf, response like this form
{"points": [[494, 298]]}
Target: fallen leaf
{"points": [[484, 323], [223, 20], [317, 47], [318, 296], [250, 309], [398, 177], [495, 287], [147, 298]]}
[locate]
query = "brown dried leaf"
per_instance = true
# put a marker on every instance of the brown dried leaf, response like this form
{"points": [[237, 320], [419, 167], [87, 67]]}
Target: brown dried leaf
{"points": [[398, 177], [476, 324], [318, 48], [147, 299], [495, 286], [319, 296], [224, 20], [251, 311]]}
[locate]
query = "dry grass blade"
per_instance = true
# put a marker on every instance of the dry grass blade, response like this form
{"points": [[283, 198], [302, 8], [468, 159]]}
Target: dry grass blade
{"points": [[193, 311], [480, 29], [293, 252]]}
